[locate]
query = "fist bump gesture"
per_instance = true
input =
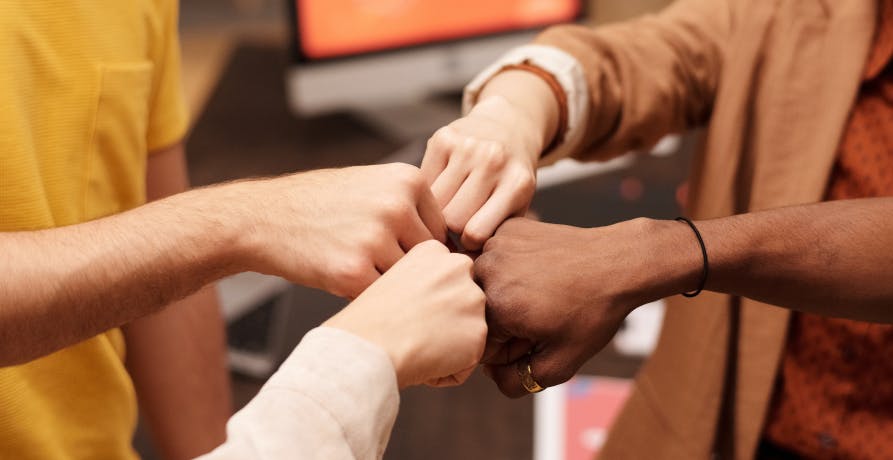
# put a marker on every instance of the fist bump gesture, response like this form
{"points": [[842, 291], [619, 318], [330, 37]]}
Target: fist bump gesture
{"points": [[554, 295]]}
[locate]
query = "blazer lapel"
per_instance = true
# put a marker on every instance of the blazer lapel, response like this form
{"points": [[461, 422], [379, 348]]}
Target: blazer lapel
{"points": [[827, 54]]}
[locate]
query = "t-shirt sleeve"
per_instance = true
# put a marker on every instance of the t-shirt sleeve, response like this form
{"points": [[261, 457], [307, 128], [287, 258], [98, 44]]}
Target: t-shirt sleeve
{"points": [[168, 115]]}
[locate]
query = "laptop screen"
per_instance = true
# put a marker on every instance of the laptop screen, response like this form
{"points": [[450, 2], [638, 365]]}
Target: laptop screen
{"points": [[339, 28]]}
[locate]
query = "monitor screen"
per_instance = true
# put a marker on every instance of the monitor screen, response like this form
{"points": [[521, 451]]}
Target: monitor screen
{"points": [[338, 28]]}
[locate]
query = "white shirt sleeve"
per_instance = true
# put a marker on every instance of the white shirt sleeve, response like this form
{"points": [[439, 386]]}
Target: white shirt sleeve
{"points": [[569, 74], [335, 397]]}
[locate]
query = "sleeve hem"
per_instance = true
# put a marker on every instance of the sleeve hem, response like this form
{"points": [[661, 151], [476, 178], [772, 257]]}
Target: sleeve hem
{"points": [[352, 378], [566, 70]]}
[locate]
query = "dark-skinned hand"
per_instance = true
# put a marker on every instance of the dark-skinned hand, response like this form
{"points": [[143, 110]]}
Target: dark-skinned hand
{"points": [[556, 295]]}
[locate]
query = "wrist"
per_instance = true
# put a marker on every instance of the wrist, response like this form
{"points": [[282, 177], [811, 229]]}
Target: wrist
{"points": [[670, 258], [346, 321], [233, 224], [523, 128], [530, 100]]}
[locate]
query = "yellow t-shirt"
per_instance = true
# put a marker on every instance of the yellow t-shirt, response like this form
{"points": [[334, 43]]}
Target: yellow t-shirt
{"points": [[87, 88]]}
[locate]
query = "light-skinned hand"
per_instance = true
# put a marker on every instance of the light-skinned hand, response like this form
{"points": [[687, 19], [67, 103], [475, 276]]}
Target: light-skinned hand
{"points": [[338, 229], [482, 167], [427, 313]]}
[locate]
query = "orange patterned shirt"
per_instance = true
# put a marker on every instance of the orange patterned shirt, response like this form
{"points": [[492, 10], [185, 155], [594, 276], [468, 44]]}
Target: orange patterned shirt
{"points": [[834, 397]]}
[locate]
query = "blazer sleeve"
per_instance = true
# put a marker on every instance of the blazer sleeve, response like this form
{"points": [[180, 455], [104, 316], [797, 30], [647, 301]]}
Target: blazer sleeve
{"points": [[646, 77], [334, 398]]}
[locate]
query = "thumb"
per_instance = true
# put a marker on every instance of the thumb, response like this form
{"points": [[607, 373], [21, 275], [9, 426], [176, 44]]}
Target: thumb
{"points": [[452, 380]]}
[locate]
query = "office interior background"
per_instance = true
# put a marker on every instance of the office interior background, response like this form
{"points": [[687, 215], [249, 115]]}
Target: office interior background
{"points": [[262, 106]]}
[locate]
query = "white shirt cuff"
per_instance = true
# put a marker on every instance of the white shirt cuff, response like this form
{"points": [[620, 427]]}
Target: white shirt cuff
{"points": [[569, 74], [353, 378], [334, 398]]}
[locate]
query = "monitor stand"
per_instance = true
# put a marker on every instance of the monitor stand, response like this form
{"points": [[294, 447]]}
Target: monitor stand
{"points": [[410, 122]]}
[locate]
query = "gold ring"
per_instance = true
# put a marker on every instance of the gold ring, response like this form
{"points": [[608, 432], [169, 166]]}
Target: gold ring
{"points": [[527, 381]]}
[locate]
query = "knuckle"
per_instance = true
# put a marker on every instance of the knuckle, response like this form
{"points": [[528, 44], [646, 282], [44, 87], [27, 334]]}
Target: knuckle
{"points": [[482, 266], [472, 302], [416, 182], [478, 297], [525, 183], [373, 239], [396, 208], [481, 338], [432, 147], [440, 140], [350, 271], [494, 156], [461, 261], [431, 246], [493, 244], [406, 174], [475, 235], [454, 221], [475, 295]]}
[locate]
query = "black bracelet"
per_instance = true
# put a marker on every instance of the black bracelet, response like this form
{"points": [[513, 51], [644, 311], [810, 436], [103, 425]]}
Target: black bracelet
{"points": [[703, 252]]}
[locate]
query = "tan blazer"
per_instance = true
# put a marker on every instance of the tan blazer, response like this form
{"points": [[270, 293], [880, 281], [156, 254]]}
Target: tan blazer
{"points": [[773, 81]]}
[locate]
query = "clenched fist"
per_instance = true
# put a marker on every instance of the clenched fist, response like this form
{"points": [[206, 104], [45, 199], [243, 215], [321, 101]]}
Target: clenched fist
{"points": [[338, 229], [426, 313], [482, 167], [560, 293]]}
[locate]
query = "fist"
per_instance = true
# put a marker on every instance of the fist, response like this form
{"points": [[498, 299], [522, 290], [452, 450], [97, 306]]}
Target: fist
{"points": [[556, 295], [482, 169], [427, 313], [340, 229]]}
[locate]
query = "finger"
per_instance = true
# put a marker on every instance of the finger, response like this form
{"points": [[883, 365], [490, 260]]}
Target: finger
{"points": [[452, 380], [468, 200], [389, 254], [492, 350], [508, 352], [415, 232], [505, 202], [507, 379], [462, 377], [436, 156], [430, 248], [448, 182], [548, 368], [432, 216], [440, 382]]}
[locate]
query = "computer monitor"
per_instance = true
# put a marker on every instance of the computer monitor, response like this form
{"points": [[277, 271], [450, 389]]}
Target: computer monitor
{"points": [[351, 54]]}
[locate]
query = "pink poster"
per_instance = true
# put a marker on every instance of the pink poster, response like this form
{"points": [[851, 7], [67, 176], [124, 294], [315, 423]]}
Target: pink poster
{"points": [[573, 419]]}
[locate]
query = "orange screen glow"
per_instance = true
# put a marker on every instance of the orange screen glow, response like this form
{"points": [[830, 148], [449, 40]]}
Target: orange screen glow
{"points": [[330, 28]]}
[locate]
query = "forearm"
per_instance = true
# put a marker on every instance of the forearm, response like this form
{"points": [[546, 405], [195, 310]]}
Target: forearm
{"points": [[177, 360], [177, 357], [335, 397], [64, 285], [832, 258]]}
